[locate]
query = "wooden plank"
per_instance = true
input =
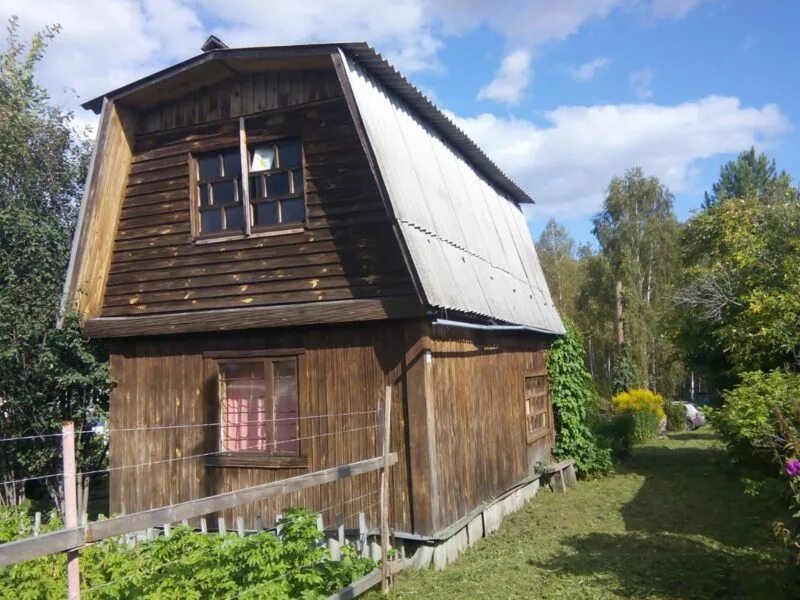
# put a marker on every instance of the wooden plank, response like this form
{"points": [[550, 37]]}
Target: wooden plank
{"points": [[69, 539], [421, 435], [195, 508], [306, 296], [254, 318], [34, 547], [358, 587], [90, 259]]}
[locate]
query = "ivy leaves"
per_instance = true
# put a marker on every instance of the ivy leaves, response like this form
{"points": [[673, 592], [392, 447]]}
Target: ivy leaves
{"points": [[571, 391]]}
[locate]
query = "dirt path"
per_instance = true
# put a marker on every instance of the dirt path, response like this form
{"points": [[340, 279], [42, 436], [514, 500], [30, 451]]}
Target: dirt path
{"points": [[673, 522]]}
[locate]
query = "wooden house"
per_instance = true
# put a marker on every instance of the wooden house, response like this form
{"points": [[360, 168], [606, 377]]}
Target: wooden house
{"points": [[269, 237]]}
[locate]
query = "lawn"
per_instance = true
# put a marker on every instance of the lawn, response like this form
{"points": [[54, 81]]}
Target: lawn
{"points": [[673, 522]]}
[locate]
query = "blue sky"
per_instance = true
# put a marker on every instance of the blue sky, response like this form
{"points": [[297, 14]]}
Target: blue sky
{"points": [[563, 95]]}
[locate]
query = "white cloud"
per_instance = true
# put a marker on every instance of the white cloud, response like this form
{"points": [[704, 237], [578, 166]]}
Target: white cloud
{"points": [[672, 9], [107, 43], [567, 165], [642, 83], [588, 70], [510, 80]]}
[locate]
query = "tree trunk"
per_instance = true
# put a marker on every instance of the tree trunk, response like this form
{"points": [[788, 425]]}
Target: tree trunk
{"points": [[620, 328]]}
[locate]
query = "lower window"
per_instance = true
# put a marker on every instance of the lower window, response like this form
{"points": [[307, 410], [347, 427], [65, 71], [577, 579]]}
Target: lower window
{"points": [[259, 406], [537, 407]]}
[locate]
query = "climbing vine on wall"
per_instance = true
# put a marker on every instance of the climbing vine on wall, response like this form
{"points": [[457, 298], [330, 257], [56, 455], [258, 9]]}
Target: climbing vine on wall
{"points": [[571, 391]]}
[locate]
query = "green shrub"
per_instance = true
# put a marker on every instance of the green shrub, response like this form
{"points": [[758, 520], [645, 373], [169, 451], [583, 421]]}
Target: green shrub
{"points": [[571, 392], [614, 433], [676, 416], [645, 425], [193, 565], [750, 423]]}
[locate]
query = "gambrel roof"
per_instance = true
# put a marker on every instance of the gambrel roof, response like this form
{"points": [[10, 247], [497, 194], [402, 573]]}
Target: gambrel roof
{"points": [[468, 240], [458, 217]]}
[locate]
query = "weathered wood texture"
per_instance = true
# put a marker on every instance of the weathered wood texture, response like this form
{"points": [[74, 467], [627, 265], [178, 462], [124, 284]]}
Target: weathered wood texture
{"points": [[102, 204], [479, 415], [316, 313], [172, 381], [346, 250]]}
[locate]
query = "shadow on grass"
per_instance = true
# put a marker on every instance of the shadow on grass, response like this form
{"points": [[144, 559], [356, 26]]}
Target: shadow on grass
{"points": [[691, 532], [669, 566], [698, 435]]}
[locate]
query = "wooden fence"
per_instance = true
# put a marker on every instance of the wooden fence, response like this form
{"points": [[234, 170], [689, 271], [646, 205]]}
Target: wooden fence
{"points": [[75, 536]]}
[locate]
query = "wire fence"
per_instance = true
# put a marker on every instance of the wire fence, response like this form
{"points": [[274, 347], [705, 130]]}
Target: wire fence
{"points": [[224, 436], [335, 424]]}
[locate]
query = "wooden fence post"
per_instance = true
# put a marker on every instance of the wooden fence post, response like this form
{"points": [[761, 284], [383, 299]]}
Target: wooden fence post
{"points": [[385, 411], [70, 505]]}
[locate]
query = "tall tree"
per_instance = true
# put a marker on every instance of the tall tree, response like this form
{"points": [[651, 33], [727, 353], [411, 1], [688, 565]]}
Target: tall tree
{"points": [[46, 374], [638, 233], [740, 292], [754, 176], [595, 315], [556, 250]]}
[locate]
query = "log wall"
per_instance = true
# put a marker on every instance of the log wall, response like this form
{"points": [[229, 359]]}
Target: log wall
{"points": [[171, 381], [477, 394], [346, 249]]}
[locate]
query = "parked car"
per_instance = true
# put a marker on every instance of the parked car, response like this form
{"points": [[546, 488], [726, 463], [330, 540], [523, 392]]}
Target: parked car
{"points": [[694, 416]]}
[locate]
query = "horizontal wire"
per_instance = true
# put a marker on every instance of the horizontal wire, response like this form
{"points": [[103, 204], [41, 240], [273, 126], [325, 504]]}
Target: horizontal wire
{"points": [[181, 458], [103, 431], [36, 478]]}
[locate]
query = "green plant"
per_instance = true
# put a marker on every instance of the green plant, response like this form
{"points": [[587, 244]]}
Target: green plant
{"points": [[749, 422], [571, 392], [676, 416], [191, 565], [614, 433], [623, 376], [645, 426]]}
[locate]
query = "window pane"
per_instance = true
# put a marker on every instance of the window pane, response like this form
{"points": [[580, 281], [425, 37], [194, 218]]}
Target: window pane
{"points": [[231, 163], [289, 154], [266, 213], [293, 210], [284, 373], [205, 197], [297, 175], [234, 217], [243, 397], [257, 187], [208, 166], [224, 192], [278, 184], [263, 158], [210, 221]]}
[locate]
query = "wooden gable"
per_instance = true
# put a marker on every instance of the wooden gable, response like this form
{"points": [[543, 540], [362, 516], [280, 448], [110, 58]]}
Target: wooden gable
{"points": [[347, 252]]}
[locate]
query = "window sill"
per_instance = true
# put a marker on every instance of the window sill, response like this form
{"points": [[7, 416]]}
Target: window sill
{"points": [[255, 234], [537, 435], [255, 460]]}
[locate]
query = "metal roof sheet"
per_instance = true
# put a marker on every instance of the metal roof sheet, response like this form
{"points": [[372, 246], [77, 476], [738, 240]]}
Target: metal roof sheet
{"points": [[467, 239]]}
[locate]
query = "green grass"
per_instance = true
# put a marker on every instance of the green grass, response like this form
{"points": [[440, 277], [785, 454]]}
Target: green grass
{"points": [[673, 522]]}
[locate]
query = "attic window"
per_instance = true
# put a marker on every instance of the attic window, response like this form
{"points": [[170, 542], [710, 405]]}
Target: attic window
{"points": [[251, 189], [219, 192], [276, 183]]}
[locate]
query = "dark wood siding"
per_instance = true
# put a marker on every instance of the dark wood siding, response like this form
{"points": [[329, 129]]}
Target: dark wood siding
{"points": [[168, 381], [479, 415], [346, 250]]}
